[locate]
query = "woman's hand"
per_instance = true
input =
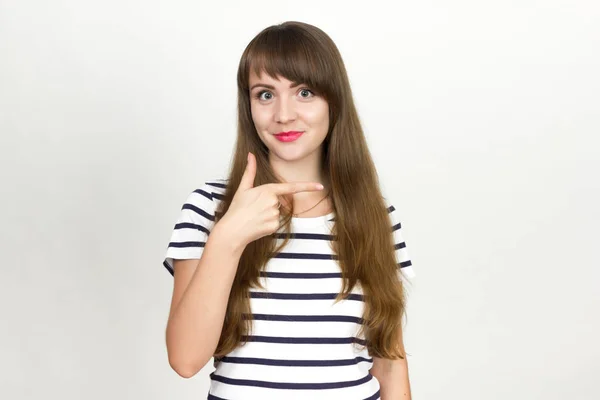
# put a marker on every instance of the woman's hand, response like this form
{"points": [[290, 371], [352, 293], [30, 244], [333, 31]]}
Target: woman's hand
{"points": [[254, 211]]}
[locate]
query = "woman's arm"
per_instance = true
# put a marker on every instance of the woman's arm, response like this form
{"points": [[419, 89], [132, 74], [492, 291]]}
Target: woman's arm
{"points": [[199, 303], [392, 376]]}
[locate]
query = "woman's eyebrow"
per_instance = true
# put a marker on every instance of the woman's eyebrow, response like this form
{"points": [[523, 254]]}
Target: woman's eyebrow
{"points": [[292, 85]]}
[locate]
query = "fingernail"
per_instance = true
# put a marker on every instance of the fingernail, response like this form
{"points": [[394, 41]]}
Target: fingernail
{"points": [[319, 186]]}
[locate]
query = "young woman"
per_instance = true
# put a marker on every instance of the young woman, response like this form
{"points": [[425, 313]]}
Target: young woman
{"points": [[290, 271]]}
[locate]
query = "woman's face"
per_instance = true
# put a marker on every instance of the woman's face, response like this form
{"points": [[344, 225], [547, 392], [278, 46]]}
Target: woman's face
{"points": [[277, 105]]}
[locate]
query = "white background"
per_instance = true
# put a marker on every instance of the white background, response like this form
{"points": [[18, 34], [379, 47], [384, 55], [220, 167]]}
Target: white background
{"points": [[483, 119]]}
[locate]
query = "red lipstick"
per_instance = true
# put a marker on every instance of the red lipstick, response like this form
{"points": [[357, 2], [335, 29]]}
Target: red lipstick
{"points": [[288, 136]]}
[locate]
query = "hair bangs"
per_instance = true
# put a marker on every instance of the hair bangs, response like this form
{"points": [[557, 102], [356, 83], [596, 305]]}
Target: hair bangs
{"points": [[284, 51]]}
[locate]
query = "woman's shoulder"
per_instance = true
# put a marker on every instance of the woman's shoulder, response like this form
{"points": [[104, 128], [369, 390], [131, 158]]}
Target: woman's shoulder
{"points": [[207, 195], [389, 204], [215, 186], [393, 212]]}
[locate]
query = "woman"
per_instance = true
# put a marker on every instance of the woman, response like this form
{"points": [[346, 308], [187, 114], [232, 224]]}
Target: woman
{"points": [[298, 290]]}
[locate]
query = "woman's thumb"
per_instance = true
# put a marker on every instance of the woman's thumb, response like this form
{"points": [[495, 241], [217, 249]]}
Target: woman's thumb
{"points": [[247, 181]]}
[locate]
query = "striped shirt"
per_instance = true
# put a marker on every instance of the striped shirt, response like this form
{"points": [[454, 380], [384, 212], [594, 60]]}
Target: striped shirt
{"points": [[302, 345]]}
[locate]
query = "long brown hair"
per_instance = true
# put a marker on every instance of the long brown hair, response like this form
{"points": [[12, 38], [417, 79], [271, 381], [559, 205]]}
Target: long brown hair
{"points": [[363, 243]]}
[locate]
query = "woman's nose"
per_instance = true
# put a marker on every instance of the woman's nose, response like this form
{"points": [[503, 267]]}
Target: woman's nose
{"points": [[285, 110]]}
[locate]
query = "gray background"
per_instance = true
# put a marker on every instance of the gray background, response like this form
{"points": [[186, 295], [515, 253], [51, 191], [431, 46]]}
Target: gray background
{"points": [[482, 117]]}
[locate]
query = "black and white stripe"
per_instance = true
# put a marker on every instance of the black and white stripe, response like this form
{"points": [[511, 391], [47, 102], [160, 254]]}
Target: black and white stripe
{"points": [[303, 344]]}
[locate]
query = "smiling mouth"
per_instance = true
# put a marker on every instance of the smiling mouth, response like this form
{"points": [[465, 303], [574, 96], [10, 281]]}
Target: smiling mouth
{"points": [[289, 133], [288, 136]]}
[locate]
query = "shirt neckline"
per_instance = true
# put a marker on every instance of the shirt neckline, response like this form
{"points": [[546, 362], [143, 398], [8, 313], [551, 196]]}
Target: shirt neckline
{"points": [[312, 221]]}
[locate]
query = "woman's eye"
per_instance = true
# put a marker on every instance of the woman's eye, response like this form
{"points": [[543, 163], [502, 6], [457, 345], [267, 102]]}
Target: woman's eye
{"points": [[306, 93], [265, 95], [260, 94]]}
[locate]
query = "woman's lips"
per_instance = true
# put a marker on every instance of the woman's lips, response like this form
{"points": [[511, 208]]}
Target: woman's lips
{"points": [[288, 136]]}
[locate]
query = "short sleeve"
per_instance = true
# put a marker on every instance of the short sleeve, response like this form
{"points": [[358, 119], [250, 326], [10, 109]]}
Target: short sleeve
{"points": [[196, 219], [404, 263]]}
